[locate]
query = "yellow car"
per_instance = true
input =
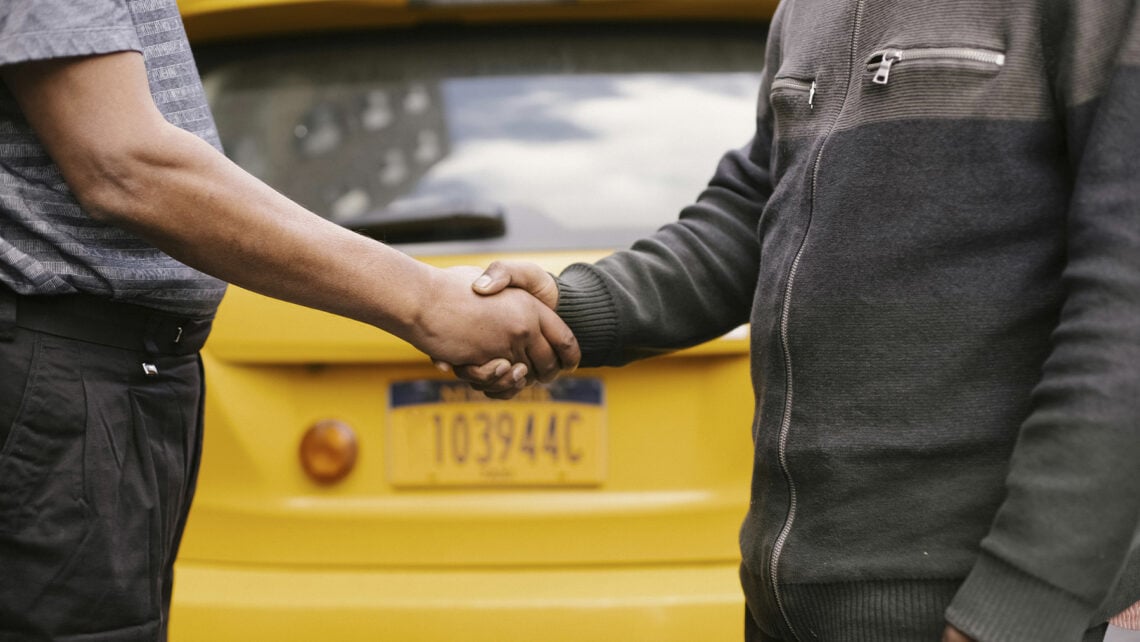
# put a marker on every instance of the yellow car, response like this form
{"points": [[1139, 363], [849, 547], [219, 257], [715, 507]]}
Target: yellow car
{"points": [[349, 490]]}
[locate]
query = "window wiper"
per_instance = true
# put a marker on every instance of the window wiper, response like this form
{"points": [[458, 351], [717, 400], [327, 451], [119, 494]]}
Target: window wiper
{"points": [[429, 220]]}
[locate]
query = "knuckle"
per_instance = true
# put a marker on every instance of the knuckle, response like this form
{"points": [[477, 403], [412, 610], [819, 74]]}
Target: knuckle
{"points": [[521, 330], [568, 342]]}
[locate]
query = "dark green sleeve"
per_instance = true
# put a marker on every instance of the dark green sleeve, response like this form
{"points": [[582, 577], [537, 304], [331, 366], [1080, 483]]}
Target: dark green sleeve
{"points": [[690, 281]]}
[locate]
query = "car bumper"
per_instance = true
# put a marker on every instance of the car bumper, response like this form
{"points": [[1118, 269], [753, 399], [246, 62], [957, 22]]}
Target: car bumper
{"points": [[218, 603]]}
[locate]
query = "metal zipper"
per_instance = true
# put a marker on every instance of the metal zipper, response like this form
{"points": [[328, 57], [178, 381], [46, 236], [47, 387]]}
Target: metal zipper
{"points": [[797, 85], [785, 313], [882, 61]]}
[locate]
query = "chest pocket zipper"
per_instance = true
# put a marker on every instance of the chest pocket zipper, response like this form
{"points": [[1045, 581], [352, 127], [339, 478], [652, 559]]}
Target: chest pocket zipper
{"points": [[792, 84], [881, 62]]}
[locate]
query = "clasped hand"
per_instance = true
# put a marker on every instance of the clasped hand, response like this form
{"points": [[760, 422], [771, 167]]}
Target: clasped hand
{"points": [[501, 334]]}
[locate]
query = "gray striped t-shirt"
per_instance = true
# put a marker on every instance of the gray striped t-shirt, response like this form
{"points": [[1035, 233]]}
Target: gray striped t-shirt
{"points": [[48, 244]]}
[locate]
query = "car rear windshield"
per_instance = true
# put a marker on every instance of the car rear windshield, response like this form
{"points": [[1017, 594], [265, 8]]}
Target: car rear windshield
{"points": [[469, 139]]}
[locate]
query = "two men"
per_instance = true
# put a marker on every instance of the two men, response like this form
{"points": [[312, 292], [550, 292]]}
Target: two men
{"points": [[934, 233]]}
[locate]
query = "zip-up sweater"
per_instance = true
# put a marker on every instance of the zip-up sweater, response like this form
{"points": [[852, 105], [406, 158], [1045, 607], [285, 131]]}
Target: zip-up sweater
{"points": [[935, 236]]}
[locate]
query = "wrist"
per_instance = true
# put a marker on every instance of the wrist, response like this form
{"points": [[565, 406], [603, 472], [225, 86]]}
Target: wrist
{"points": [[426, 294], [404, 298]]}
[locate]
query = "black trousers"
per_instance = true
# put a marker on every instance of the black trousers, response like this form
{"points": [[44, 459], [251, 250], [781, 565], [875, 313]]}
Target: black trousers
{"points": [[100, 435]]}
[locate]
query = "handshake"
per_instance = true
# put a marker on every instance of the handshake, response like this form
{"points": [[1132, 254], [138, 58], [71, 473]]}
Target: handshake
{"points": [[496, 329]]}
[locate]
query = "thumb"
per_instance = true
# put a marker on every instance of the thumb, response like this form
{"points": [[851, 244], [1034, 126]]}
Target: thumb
{"points": [[491, 281], [518, 274]]}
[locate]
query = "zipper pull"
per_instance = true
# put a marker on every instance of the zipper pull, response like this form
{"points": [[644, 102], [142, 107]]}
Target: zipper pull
{"points": [[811, 95], [884, 70]]}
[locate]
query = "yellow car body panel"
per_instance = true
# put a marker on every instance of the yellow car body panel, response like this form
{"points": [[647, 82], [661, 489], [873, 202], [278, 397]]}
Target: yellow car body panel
{"points": [[648, 552], [686, 604]]}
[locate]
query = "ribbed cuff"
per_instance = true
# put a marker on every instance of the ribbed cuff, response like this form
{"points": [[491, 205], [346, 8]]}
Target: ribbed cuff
{"points": [[999, 603], [585, 304]]}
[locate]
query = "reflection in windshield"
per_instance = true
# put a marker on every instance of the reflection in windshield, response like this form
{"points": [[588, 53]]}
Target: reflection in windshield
{"points": [[570, 157], [339, 150], [592, 151]]}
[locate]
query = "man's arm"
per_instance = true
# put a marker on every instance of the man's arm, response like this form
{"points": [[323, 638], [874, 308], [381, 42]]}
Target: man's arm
{"points": [[1055, 557], [689, 282], [130, 168]]}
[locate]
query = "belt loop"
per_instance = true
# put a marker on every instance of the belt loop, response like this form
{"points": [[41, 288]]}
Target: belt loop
{"points": [[8, 308]]}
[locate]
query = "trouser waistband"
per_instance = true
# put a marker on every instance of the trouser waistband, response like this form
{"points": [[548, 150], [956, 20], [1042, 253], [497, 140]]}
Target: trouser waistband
{"points": [[93, 319]]}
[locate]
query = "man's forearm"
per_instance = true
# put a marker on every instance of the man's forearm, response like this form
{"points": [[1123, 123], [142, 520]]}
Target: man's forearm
{"points": [[129, 168], [202, 209]]}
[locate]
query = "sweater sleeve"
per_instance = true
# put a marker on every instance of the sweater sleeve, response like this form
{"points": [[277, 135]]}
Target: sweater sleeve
{"points": [[1061, 555], [690, 281]]}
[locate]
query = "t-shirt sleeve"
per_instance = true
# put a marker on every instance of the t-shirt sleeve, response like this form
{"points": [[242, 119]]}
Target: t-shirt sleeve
{"points": [[43, 29]]}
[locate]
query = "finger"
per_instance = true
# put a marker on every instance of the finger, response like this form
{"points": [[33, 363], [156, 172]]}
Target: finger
{"points": [[561, 340], [504, 375], [512, 383], [508, 393], [543, 360], [506, 386], [496, 278], [519, 274], [485, 374], [442, 366]]}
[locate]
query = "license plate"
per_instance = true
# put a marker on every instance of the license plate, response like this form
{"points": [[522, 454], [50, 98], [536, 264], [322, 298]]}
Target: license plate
{"points": [[443, 433]]}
